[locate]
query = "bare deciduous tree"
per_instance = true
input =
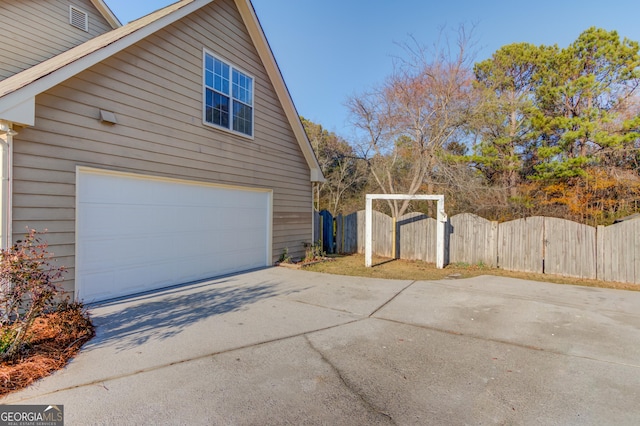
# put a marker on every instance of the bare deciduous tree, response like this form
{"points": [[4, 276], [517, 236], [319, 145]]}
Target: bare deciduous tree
{"points": [[406, 123]]}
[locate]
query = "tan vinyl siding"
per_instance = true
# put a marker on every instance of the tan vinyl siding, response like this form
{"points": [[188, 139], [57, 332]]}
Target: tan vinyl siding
{"points": [[155, 90], [34, 31]]}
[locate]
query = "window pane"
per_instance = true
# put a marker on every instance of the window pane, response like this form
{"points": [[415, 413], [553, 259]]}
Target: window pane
{"points": [[209, 106], [208, 76], [242, 118], [217, 109], [225, 70], [220, 80], [249, 87], [208, 60], [242, 87], [221, 110]]}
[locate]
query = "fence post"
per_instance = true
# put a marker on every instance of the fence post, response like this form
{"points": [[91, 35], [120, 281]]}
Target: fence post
{"points": [[494, 243], [600, 274], [343, 237], [368, 235], [394, 252], [339, 233], [316, 227], [442, 221]]}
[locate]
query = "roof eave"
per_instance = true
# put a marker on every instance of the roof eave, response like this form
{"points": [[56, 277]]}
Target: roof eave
{"points": [[107, 13], [84, 60], [268, 59]]}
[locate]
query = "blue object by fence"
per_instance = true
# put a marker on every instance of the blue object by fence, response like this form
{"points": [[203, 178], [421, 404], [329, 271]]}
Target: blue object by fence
{"points": [[327, 231]]}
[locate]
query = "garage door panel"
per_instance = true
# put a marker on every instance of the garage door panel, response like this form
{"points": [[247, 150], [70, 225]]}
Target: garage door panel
{"points": [[142, 248], [239, 260], [237, 240], [133, 279], [93, 253], [96, 219], [249, 216], [93, 189], [139, 233]]}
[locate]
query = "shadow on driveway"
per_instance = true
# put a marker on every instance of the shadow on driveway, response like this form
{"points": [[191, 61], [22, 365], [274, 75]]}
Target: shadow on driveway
{"points": [[159, 316]]}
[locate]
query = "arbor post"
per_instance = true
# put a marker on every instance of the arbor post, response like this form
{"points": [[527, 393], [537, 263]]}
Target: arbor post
{"points": [[368, 227]]}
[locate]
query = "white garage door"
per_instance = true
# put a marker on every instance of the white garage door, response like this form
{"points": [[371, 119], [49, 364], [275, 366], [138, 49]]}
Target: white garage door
{"points": [[139, 233]]}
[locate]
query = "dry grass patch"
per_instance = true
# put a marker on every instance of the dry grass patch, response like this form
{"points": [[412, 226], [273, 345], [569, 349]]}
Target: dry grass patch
{"points": [[417, 270]]}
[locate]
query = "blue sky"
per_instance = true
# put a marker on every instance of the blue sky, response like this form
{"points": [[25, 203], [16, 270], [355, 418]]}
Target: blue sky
{"points": [[329, 50]]}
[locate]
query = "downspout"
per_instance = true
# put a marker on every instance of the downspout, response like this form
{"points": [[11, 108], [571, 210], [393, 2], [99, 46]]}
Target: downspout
{"points": [[6, 155], [314, 185]]}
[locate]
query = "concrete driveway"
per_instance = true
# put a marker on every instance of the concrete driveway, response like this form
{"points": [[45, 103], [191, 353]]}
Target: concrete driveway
{"points": [[281, 346]]}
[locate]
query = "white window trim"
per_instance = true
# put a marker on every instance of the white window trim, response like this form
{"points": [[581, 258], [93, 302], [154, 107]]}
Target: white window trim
{"points": [[77, 10], [231, 65]]}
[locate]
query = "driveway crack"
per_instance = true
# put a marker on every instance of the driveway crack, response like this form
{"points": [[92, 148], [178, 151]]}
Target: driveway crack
{"points": [[7, 399], [507, 342], [348, 385], [391, 299]]}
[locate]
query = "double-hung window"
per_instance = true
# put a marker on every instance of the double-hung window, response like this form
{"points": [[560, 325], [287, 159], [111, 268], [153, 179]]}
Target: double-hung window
{"points": [[228, 96]]}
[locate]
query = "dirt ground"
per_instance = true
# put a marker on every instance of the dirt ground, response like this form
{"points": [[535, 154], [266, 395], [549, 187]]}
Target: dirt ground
{"points": [[353, 265], [56, 338]]}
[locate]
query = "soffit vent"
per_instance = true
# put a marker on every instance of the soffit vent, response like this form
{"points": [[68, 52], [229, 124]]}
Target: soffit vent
{"points": [[78, 18]]}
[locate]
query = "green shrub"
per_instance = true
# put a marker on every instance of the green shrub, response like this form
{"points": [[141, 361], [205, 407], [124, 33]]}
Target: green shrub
{"points": [[7, 337]]}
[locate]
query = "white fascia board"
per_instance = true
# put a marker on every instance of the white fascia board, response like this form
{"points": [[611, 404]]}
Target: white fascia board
{"points": [[71, 69], [107, 13], [23, 113], [317, 176], [273, 71]]}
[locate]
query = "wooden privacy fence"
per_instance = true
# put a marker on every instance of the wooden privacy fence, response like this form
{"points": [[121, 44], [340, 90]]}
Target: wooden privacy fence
{"points": [[618, 252], [534, 244]]}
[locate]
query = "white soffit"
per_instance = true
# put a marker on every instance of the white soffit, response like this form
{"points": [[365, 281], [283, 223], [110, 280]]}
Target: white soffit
{"points": [[22, 113]]}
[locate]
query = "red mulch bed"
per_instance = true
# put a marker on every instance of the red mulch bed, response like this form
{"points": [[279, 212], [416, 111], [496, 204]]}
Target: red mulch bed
{"points": [[56, 338]]}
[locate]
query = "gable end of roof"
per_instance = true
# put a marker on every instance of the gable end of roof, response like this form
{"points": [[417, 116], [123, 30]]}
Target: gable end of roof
{"points": [[21, 88]]}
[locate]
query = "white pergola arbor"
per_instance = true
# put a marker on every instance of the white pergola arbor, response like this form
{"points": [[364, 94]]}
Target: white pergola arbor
{"points": [[441, 218]]}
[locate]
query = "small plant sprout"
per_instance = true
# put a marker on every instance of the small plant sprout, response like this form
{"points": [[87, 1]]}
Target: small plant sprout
{"points": [[284, 257], [313, 252]]}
